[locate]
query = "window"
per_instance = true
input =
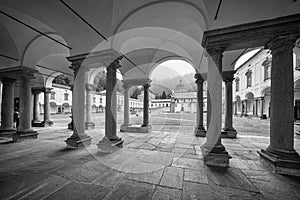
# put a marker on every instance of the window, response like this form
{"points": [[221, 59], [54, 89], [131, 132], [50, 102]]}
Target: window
{"points": [[237, 84], [52, 96], [249, 78], [267, 68], [100, 100], [94, 99], [66, 96]]}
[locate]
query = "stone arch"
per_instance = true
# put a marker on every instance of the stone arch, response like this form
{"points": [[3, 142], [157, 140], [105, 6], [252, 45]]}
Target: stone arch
{"points": [[202, 11], [35, 49], [50, 78]]}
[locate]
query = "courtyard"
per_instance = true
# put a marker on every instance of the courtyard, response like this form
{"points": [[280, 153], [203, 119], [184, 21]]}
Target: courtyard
{"points": [[164, 164]]}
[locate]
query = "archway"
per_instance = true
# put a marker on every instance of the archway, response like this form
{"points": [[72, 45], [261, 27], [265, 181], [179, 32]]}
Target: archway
{"points": [[249, 107]]}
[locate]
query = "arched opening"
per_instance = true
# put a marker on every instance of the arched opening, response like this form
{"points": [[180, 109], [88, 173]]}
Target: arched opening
{"points": [[249, 107], [266, 94], [237, 105], [174, 98]]}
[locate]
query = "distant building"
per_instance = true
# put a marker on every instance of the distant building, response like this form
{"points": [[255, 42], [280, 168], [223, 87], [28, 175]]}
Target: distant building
{"points": [[185, 100], [252, 85]]}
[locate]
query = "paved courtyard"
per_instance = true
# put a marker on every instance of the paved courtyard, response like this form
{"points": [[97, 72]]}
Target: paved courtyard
{"points": [[165, 164]]}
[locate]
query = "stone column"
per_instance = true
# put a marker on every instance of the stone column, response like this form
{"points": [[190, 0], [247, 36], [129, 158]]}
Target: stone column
{"points": [[146, 106], [199, 129], [208, 110], [7, 106], [47, 121], [70, 125], [79, 137], [235, 107], [261, 100], [228, 130], [36, 109], [214, 153], [88, 123], [111, 141], [281, 154], [25, 129], [126, 108]]}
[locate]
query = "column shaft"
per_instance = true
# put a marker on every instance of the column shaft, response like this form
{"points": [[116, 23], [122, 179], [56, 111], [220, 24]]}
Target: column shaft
{"points": [[111, 103], [7, 106], [146, 105], [79, 137], [88, 123], [36, 110], [199, 129], [25, 129], [213, 151], [47, 121], [126, 106], [280, 154]]}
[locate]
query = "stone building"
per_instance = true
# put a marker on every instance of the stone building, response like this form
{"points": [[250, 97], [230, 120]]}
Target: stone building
{"points": [[252, 84]]}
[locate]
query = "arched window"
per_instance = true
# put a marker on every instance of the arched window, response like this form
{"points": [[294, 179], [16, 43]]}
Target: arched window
{"points": [[249, 78], [237, 84], [267, 68]]}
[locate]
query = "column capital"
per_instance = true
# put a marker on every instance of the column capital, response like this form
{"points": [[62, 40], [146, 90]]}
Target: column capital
{"points": [[37, 90], [7, 80], [199, 78], [47, 90], [116, 63], [89, 87], [228, 76], [147, 85], [282, 43]]}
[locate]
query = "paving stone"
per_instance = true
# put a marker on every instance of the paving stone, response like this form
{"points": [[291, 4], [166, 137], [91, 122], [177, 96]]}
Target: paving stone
{"points": [[229, 177], [109, 178], [225, 193], [275, 190], [188, 163], [259, 175], [147, 146], [163, 193], [77, 190], [195, 176], [146, 172], [237, 163], [128, 189], [197, 191], [37, 190], [163, 158], [191, 156], [172, 177]]}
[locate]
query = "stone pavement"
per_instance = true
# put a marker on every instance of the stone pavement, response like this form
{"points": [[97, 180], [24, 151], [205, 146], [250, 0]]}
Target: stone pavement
{"points": [[160, 165]]}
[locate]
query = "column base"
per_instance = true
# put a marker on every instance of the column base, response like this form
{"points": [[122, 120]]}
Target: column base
{"points": [[108, 145], [7, 132], [264, 116], [47, 123], [217, 157], [228, 133], [200, 132], [25, 134], [89, 125], [281, 163], [37, 123], [135, 128], [78, 141]]}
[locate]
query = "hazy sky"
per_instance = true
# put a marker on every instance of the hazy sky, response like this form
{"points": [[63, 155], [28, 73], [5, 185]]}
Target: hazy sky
{"points": [[172, 68]]}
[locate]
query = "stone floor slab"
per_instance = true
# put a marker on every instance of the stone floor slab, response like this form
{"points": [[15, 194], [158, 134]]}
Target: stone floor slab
{"points": [[229, 177], [172, 177], [188, 163], [196, 176], [197, 191], [127, 189], [163, 193]]}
